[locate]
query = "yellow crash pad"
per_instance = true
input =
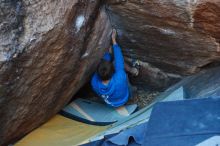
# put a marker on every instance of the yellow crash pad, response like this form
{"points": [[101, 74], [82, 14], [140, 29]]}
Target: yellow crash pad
{"points": [[60, 131]]}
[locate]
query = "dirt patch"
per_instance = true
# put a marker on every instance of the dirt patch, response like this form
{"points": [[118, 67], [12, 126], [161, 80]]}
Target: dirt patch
{"points": [[144, 98]]}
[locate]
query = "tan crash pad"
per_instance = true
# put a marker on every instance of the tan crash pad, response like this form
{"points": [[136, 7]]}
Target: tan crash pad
{"points": [[60, 131]]}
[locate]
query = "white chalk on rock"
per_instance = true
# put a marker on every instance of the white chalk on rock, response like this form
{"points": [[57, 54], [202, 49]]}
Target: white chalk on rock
{"points": [[79, 22], [85, 55]]}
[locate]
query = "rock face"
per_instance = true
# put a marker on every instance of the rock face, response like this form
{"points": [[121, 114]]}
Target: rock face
{"points": [[48, 49], [175, 37]]}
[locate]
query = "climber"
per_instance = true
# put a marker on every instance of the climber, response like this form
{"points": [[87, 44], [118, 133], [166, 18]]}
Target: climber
{"points": [[110, 82]]}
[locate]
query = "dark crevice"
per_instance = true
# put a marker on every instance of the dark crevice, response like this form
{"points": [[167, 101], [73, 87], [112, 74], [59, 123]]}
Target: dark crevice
{"points": [[89, 28], [210, 65]]}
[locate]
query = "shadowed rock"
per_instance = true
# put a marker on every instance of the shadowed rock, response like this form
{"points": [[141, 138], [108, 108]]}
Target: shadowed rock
{"points": [[48, 49], [177, 37]]}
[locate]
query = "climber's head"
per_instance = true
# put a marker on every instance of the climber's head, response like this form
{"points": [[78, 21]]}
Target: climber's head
{"points": [[105, 70]]}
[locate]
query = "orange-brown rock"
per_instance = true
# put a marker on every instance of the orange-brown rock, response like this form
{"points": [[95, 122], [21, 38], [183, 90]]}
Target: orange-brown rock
{"points": [[178, 37], [48, 49]]}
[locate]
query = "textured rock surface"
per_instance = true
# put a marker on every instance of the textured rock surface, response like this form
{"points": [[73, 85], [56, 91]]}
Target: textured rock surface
{"points": [[49, 48], [179, 37], [47, 51]]}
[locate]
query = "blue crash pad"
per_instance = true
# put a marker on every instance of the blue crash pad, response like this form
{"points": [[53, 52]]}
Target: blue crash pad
{"points": [[142, 115], [96, 113], [173, 123], [183, 123], [131, 137]]}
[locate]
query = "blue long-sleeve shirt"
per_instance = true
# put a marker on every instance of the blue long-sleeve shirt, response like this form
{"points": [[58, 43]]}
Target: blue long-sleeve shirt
{"points": [[116, 92]]}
